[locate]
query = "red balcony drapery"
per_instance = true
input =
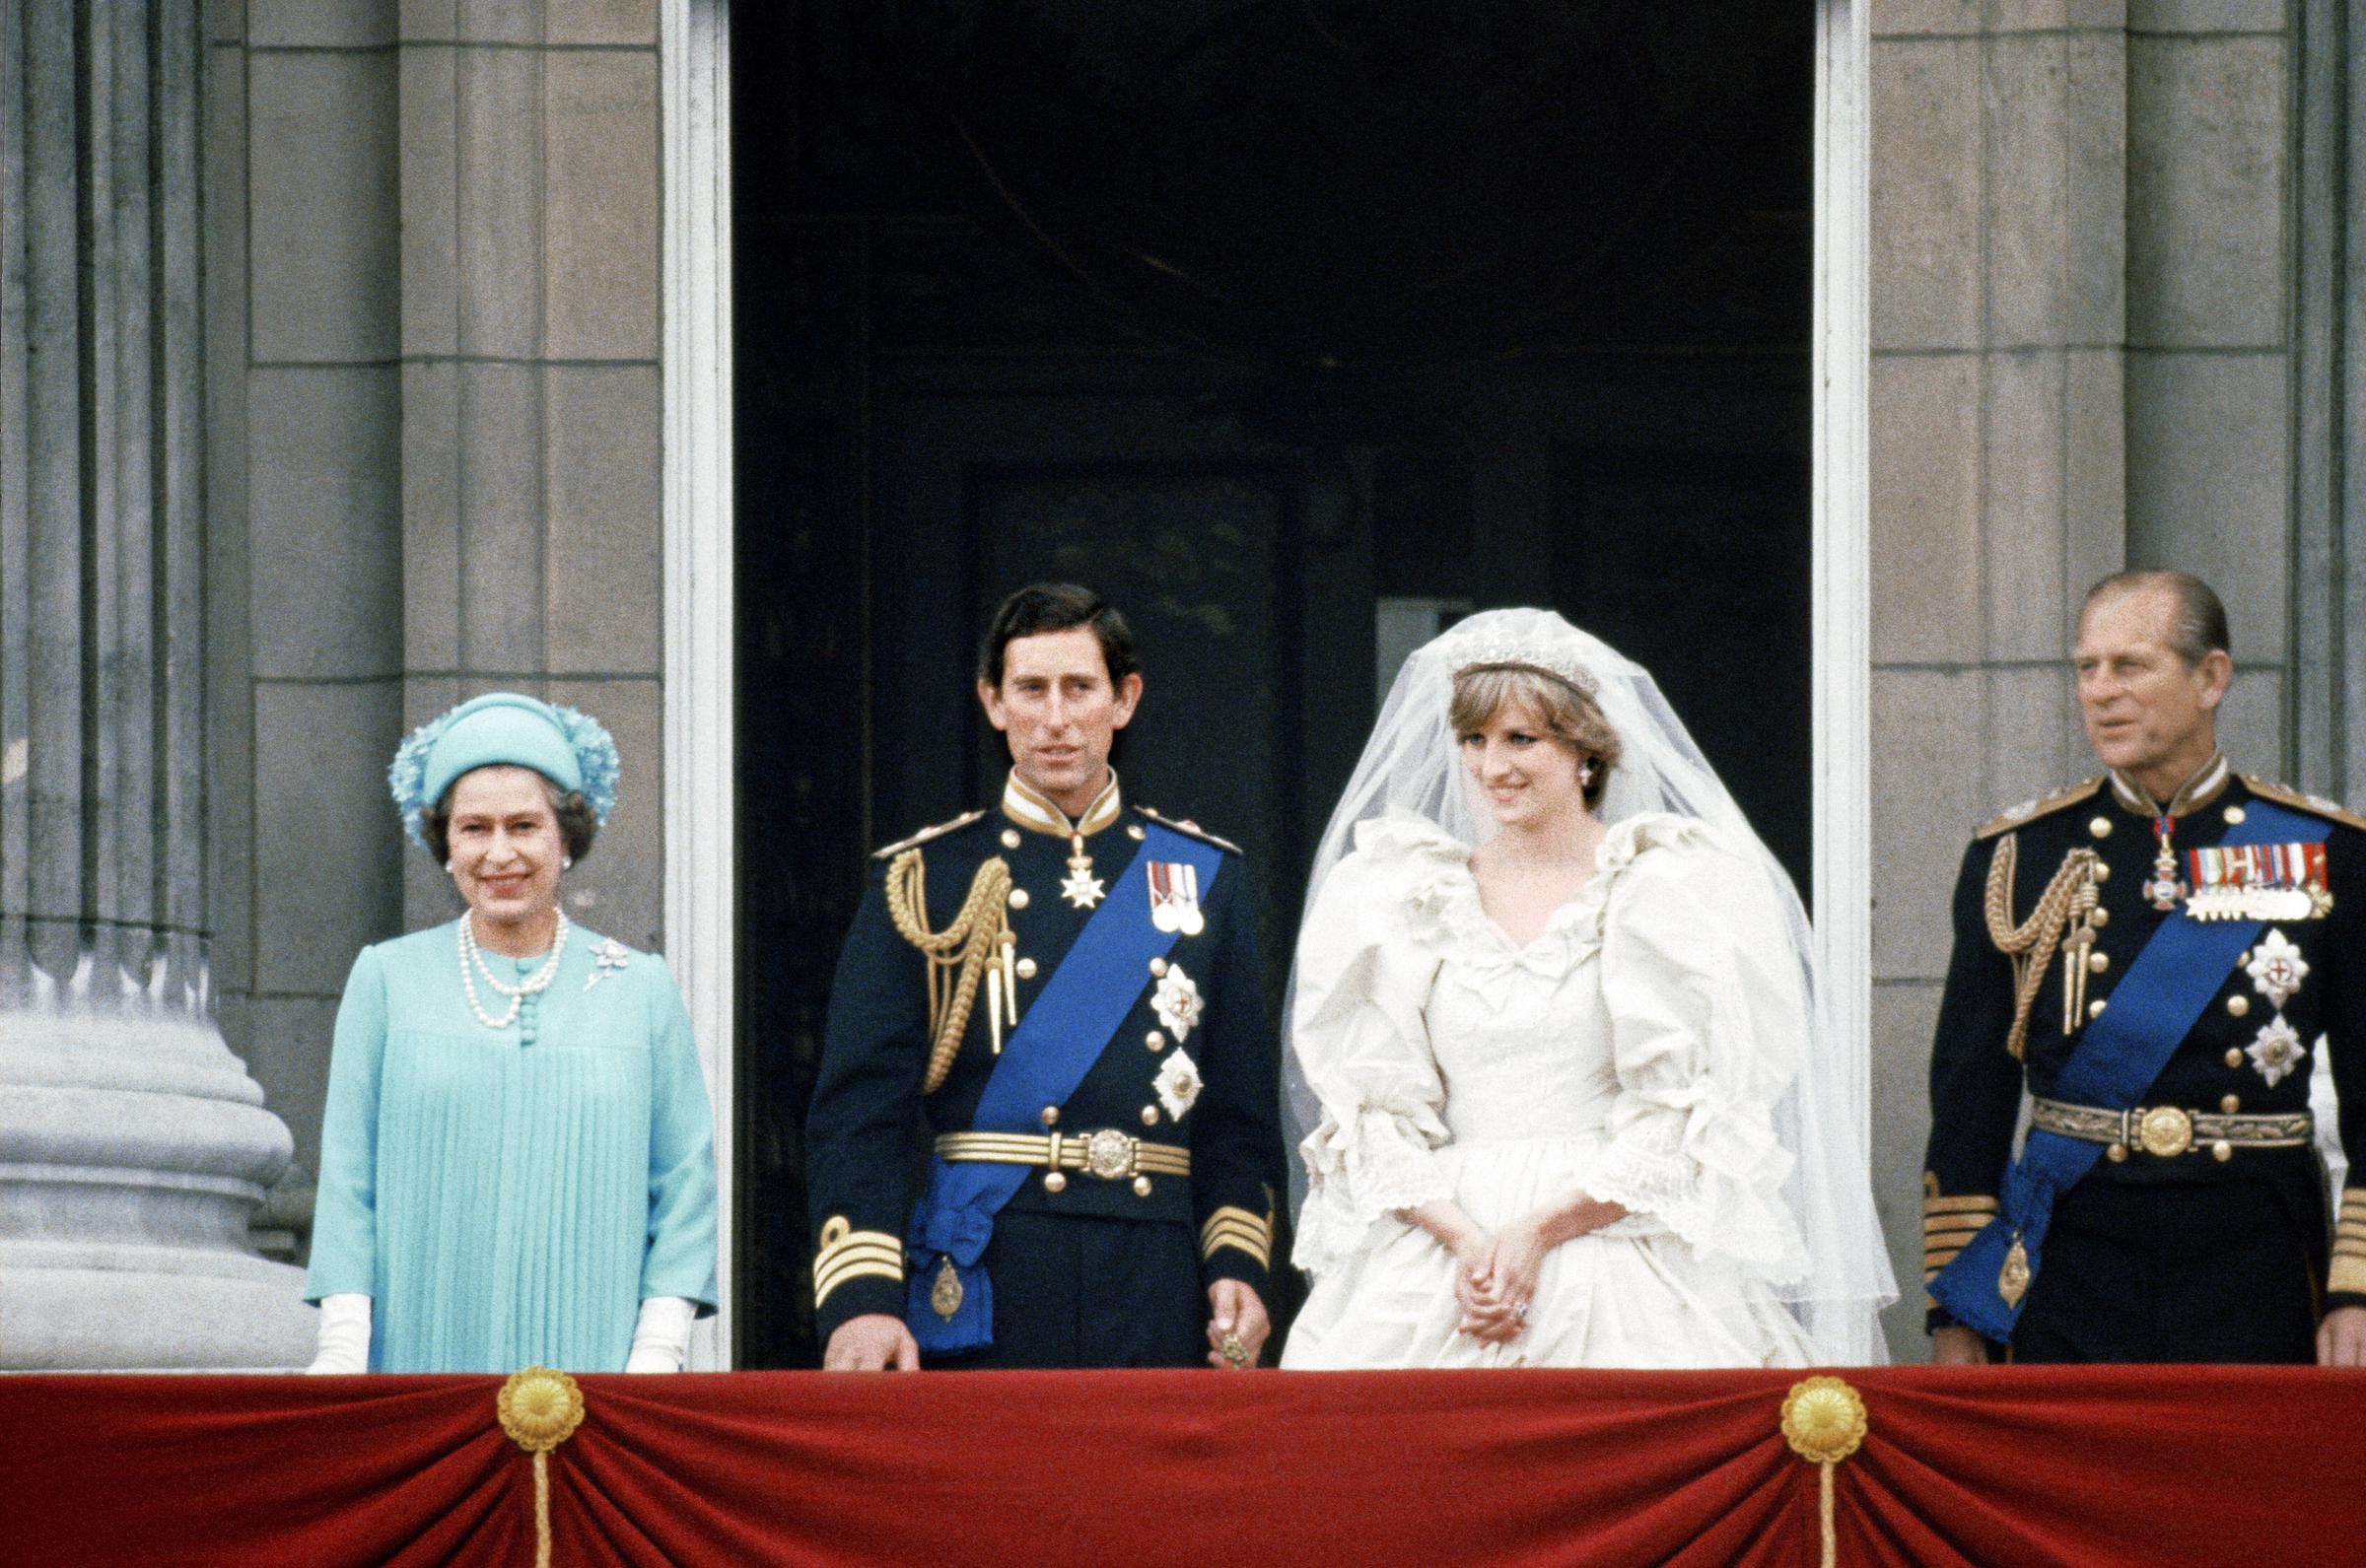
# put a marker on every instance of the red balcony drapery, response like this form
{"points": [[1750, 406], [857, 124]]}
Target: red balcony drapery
{"points": [[2006, 1465]]}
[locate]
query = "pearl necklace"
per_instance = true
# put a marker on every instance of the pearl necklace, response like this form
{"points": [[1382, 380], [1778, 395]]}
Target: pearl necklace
{"points": [[473, 960]]}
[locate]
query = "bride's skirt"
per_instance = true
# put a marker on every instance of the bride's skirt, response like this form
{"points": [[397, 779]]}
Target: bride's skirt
{"points": [[1630, 1295]]}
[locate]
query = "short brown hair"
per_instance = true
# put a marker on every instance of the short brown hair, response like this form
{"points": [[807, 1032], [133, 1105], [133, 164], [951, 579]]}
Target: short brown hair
{"points": [[1043, 607], [578, 827], [1569, 715]]}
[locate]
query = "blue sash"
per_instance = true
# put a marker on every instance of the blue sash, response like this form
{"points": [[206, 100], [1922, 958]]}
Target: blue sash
{"points": [[2153, 1009], [1044, 1059]]}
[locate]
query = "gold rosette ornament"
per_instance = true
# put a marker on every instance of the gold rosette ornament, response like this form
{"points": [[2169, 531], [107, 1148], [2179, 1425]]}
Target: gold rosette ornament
{"points": [[1824, 1421], [540, 1408]]}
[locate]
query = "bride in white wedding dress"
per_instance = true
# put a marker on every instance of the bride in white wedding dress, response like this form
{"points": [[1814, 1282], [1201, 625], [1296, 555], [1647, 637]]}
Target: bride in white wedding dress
{"points": [[1553, 1011]]}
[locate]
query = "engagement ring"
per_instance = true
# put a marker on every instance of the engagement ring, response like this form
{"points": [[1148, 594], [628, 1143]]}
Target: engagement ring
{"points": [[1233, 1350]]}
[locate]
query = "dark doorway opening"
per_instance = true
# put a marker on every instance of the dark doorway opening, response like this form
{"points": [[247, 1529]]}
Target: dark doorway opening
{"points": [[1298, 328]]}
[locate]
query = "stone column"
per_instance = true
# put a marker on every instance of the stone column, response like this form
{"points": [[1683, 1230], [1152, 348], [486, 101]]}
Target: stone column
{"points": [[133, 1146], [2000, 263], [2210, 367]]}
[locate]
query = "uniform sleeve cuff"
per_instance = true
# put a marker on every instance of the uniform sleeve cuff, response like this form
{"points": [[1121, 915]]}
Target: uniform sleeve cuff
{"points": [[1238, 1244]]}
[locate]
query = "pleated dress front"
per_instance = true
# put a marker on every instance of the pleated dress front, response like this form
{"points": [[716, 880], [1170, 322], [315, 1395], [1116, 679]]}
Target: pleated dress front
{"points": [[508, 1197]]}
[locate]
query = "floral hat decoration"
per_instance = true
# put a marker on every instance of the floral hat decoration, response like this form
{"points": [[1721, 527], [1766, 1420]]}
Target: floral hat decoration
{"points": [[565, 745]]}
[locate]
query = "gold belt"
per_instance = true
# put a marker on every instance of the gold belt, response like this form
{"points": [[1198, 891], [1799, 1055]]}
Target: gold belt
{"points": [[1108, 1154], [2167, 1130]]}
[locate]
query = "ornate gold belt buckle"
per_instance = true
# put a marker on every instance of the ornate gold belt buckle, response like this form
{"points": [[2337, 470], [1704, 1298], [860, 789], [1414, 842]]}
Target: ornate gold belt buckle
{"points": [[2165, 1132], [1109, 1155]]}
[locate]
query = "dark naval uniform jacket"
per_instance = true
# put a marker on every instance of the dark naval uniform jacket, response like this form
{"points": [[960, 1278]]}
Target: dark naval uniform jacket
{"points": [[1090, 1264], [2185, 1242]]}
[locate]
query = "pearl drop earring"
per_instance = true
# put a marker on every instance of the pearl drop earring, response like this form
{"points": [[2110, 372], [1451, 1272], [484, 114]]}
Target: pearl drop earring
{"points": [[448, 869], [566, 863]]}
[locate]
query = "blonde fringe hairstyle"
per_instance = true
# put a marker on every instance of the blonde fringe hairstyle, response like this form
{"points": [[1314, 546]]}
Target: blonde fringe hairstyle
{"points": [[1569, 715]]}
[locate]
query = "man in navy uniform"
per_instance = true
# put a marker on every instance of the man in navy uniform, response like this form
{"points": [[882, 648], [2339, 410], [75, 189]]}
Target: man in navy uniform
{"points": [[2163, 953], [1066, 987]]}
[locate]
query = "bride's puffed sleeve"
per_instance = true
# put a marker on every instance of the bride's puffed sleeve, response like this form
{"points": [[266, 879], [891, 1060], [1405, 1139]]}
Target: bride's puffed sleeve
{"points": [[1702, 1042], [1356, 1024]]}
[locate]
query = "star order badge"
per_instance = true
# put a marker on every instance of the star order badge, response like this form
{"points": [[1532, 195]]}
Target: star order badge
{"points": [[2277, 968], [2277, 1051], [1178, 1084], [1178, 1002]]}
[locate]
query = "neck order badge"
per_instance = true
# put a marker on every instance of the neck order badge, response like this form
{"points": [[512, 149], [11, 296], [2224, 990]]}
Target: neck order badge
{"points": [[950, 1304]]}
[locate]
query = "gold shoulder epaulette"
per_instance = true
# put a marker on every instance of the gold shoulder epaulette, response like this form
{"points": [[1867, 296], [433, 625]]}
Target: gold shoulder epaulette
{"points": [[926, 834], [2315, 805], [1192, 828], [2031, 810]]}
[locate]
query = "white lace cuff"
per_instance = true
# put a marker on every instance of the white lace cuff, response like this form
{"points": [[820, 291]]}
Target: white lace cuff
{"points": [[1711, 1174], [1360, 1175]]}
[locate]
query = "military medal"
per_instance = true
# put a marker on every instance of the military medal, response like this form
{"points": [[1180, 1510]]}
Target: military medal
{"points": [[2164, 889], [2259, 882], [1082, 889], [1175, 898]]}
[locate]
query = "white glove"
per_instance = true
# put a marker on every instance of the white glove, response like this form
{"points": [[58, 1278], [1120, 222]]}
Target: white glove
{"points": [[344, 1334], [661, 1336]]}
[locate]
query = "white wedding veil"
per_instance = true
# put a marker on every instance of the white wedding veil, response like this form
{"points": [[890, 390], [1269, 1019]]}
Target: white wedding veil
{"points": [[1411, 764]]}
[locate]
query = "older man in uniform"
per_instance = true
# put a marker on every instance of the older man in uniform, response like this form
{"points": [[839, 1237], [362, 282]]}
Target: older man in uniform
{"points": [[2162, 952], [1067, 990]]}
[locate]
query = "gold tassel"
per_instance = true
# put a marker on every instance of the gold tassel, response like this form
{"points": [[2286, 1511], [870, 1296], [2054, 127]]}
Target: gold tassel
{"points": [[1824, 1422], [957, 955], [2068, 901], [540, 1408]]}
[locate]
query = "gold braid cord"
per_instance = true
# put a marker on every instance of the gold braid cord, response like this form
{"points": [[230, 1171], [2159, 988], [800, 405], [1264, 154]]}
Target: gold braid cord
{"points": [[1824, 1422], [2069, 897], [957, 955], [540, 1408]]}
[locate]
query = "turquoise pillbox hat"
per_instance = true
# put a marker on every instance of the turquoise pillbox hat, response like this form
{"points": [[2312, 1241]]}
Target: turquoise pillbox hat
{"points": [[570, 748]]}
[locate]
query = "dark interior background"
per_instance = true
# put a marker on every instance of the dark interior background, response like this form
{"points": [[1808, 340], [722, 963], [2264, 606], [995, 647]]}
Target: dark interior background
{"points": [[1254, 315]]}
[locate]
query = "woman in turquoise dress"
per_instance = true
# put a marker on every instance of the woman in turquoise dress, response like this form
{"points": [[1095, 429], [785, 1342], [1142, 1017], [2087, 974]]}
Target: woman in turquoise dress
{"points": [[518, 1158]]}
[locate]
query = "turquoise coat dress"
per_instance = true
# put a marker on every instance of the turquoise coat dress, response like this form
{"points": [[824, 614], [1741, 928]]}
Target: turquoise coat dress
{"points": [[508, 1197]]}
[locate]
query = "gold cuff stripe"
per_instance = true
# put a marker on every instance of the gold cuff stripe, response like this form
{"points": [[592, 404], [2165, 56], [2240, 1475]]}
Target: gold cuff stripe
{"points": [[1239, 1242], [1225, 1219], [1233, 1214], [836, 1243], [1236, 1227], [857, 1270], [825, 1280], [1973, 1204], [848, 1253], [2348, 1276], [865, 1254], [1955, 1225], [1932, 1262], [2351, 1246]]}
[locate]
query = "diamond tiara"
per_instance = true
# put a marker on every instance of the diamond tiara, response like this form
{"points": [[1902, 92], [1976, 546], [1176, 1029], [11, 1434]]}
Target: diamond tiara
{"points": [[1568, 671]]}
